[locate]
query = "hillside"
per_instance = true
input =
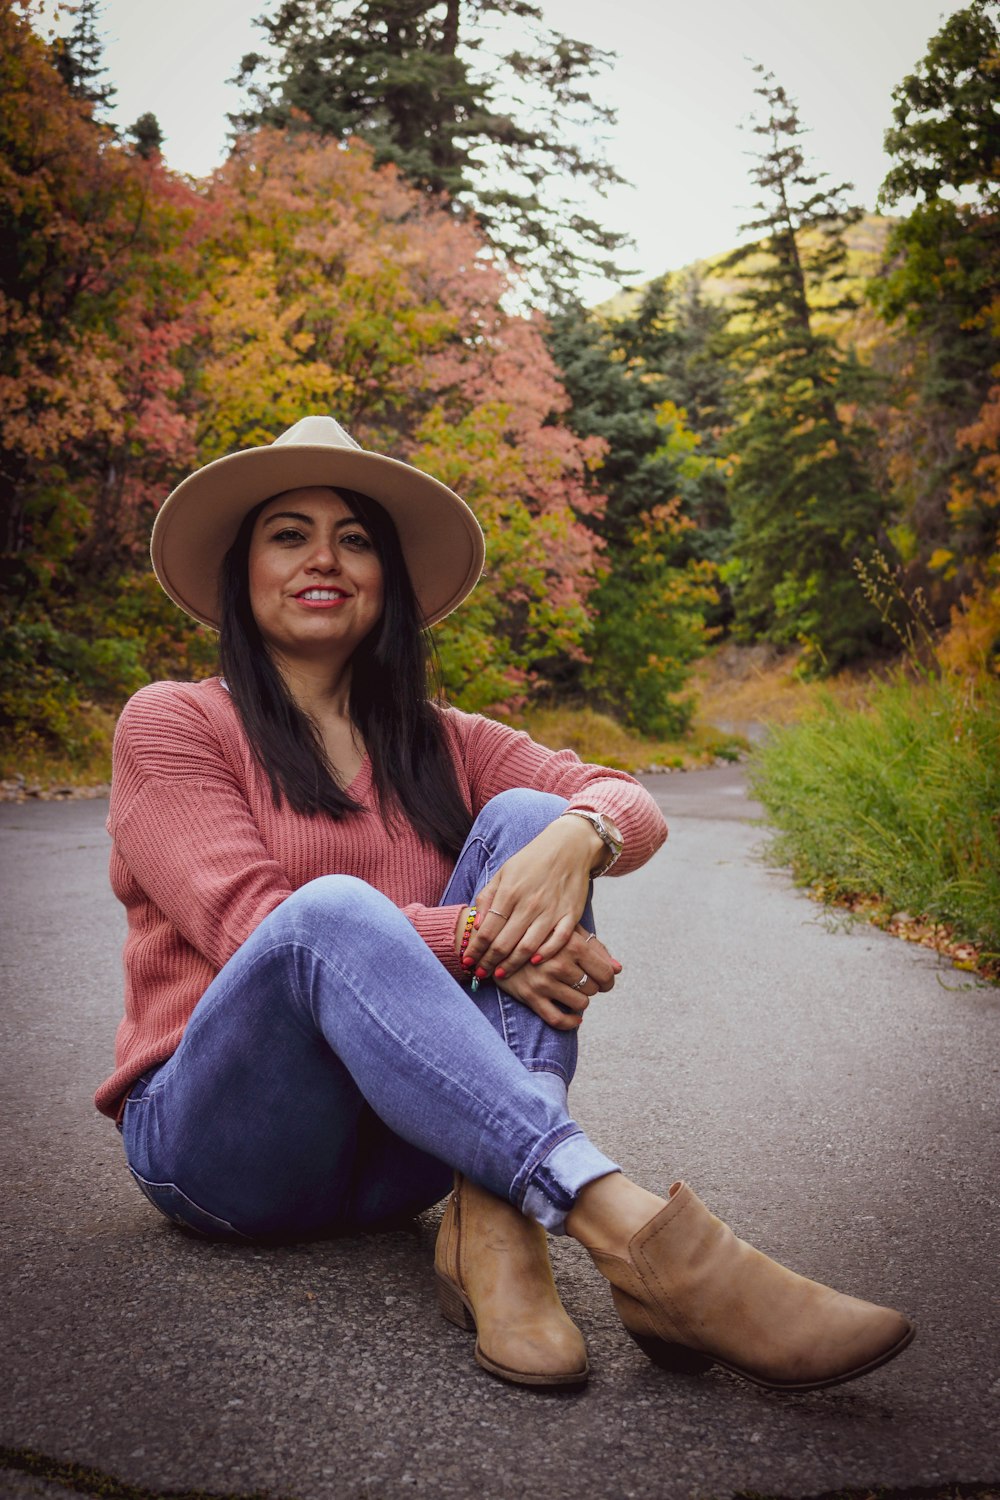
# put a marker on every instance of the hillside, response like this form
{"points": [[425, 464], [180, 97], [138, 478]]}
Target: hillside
{"points": [[865, 245]]}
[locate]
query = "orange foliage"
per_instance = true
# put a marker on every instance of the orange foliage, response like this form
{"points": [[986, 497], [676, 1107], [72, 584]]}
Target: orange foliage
{"points": [[333, 285]]}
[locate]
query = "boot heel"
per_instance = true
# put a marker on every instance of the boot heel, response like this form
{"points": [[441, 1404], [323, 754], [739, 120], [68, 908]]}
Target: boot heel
{"points": [[675, 1357], [452, 1307]]}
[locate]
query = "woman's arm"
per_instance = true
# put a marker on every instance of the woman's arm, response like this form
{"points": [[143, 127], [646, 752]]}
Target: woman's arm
{"points": [[540, 893], [496, 757], [182, 824]]}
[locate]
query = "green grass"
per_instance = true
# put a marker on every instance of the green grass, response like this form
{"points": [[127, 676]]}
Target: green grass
{"points": [[899, 800]]}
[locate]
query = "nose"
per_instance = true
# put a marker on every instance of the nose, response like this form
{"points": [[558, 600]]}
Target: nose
{"points": [[324, 558]]}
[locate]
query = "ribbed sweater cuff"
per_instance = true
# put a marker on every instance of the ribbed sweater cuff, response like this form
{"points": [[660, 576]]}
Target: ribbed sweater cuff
{"points": [[436, 925]]}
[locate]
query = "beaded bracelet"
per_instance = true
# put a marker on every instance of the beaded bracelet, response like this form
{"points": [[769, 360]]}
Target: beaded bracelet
{"points": [[467, 932]]}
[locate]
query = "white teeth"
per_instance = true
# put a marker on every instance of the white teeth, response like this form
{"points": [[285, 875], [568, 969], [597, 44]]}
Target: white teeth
{"points": [[321, 594]]}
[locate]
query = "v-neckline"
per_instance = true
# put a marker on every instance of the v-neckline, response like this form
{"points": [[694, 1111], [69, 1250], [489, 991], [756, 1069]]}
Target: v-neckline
{"points": [[363, 772]]}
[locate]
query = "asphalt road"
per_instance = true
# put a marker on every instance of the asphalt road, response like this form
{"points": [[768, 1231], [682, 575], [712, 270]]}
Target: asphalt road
{"points": [[830, 1091]]}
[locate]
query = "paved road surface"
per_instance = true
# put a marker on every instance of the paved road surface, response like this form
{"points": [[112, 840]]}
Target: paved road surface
{"points": [[832, 1092]]}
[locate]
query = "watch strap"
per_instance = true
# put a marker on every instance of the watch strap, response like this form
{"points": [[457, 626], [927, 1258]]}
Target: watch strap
{"points": [[613, 846]]}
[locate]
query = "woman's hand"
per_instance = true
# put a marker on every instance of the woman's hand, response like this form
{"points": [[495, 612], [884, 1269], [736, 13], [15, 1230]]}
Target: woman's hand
{"points": [[556, 982], [532, 905]]}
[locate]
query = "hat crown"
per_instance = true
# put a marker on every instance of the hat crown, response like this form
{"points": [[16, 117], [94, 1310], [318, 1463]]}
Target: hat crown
{"points": [[315, 432]]}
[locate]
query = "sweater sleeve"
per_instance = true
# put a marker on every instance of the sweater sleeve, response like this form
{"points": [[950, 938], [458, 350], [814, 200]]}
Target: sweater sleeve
{"points": [[436, 925], [497, 758], [182, 824]]}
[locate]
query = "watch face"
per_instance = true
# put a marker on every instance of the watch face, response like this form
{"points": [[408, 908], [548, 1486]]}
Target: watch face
{"points": [[611, 830]]}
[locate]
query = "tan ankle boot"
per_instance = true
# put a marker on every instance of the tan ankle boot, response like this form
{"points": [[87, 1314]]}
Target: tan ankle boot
{"points": [[691, 1294], [494, 1276]]}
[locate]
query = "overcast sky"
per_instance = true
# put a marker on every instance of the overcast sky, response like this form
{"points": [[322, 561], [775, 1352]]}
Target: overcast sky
{"points": [[682, 85]]}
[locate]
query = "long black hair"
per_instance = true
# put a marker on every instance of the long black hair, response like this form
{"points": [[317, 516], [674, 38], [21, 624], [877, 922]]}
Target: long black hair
{"points": [[389, 702]]}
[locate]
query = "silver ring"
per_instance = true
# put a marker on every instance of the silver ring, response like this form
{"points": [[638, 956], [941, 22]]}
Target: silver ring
{"points": [[492, 912], [580, 982], [590, 939]]}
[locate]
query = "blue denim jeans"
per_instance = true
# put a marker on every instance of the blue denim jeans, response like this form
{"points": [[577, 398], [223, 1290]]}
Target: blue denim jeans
{"points": [[333, 1074]]}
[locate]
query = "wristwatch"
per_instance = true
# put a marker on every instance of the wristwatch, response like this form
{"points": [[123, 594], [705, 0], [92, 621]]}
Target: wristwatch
{"points": [[609, 834]]}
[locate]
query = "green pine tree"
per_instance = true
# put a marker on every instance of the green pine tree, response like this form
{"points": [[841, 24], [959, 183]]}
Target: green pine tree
{"points": [[146, 135], [803, 502], [632, 380], [941, 276], [494, 134], [619, 373], [79, 58]]}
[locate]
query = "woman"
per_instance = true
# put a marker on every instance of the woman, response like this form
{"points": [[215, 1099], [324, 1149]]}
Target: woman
{"points": [[360, 944]]}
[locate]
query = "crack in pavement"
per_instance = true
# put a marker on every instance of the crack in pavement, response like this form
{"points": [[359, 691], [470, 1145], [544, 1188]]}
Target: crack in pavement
{"points": [[86, 1481], [95, 1483]]}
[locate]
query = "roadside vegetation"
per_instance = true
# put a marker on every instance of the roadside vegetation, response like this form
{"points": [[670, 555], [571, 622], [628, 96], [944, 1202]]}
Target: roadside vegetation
{"points": [[894, 810], [887, 800]]}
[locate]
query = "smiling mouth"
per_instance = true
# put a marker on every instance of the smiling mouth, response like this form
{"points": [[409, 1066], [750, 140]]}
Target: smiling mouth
{"points": [[321, 596]]}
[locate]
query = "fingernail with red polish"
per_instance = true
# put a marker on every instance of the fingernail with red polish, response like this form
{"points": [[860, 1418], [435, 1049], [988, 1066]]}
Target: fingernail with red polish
{"points": [[467, 963], [499, 973], [616, 965], [537, 958], [481, 973]]}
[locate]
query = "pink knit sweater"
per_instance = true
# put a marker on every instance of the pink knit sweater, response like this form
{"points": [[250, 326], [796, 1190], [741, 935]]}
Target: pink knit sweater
{"points": [[201, 854]]}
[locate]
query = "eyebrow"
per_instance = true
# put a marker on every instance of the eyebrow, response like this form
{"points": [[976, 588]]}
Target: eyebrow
{"points": [[297, 515]]}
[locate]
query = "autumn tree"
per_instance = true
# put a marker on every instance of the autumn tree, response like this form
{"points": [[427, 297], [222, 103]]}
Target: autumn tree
{"points": [[490, 132], [803, 502], [332, 284], [95, 296], [940, 289], [95, 315]]}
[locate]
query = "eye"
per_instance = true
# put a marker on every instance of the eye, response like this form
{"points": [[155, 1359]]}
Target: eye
{"points": [[356, 540], [287, 534]]}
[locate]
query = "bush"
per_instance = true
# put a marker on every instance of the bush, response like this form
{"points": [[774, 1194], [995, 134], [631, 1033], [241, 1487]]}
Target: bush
{"points": [[56, 666], [650, 627], [899, 800]]}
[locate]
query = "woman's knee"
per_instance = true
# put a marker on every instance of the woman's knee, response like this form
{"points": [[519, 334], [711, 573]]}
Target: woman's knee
{"points": [[522, 808], [337, 899]]}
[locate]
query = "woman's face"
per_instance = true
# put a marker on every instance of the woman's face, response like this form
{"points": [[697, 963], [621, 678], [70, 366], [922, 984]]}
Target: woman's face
{"points": [[315, 580]]}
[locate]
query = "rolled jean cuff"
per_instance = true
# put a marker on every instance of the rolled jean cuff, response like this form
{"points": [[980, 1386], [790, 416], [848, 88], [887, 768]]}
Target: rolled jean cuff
{"points": [[555, 1182]]}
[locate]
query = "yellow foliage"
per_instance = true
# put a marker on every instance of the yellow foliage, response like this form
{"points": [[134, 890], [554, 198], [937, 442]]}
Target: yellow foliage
{"points": [[971, 645], [942, 560]]}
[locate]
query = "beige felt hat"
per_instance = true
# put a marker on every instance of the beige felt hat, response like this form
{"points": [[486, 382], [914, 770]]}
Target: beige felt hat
{"points": [[441, 539]]}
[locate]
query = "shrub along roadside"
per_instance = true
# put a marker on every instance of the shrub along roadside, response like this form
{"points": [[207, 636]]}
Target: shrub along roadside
{"points": [[30, 767], [900, 802]]}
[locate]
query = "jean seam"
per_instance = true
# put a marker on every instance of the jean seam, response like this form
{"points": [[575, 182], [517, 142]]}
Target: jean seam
{"points": [[509, 1023], [146, 1182], [546, 1067]]}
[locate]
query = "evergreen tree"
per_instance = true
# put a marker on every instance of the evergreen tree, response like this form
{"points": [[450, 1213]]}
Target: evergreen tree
{"points": [[79, 57], [940, 280], [411, 78], [804, 506], [631, 380], [146, 135]]}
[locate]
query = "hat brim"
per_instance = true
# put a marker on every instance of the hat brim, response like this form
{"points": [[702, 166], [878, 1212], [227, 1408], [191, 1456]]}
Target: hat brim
{"points": [[441, 540]]}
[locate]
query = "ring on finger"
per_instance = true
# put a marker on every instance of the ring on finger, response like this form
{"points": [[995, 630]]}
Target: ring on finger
{"points": [[581, 981], [590, 939], [492, 912]]}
